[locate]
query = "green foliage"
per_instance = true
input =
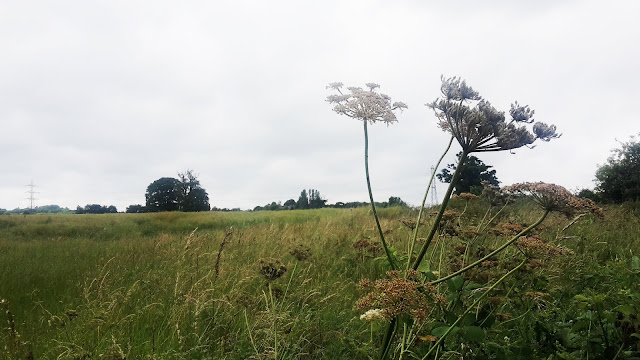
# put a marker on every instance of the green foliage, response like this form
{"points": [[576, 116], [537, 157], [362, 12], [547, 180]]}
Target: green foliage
{"points": [[170, 194], [163, 195], [619, 179], [473, 173], [96, 209], [45, 209]]}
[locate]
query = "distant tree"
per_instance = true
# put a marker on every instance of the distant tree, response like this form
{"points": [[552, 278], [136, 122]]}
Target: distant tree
{"points": [[193, 196], [303, 201], [273, 206], [396, 201], [258, 208], [289, 204], [315, 200], [96, 209], [619, 179], [474, 171], [183, 194], [164, 194], [135, 209], [589, 194]]}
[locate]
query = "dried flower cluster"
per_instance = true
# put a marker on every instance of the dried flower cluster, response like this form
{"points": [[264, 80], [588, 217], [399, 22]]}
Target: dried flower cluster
{"points": [[535, 246], [553, 197], [301, 252], [397, 295], [507, 229], [465, 196], [366, 246], [478, 126], [364, 105], [272, 269]]}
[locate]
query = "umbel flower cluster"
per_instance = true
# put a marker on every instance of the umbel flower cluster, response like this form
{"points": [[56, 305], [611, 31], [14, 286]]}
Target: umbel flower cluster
{"points": [[553, 197], [396, 296], [365, 105], [478, 126]]}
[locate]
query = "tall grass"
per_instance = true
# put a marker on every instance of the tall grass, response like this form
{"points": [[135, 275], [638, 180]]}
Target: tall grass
{"points": [[145, 286]]}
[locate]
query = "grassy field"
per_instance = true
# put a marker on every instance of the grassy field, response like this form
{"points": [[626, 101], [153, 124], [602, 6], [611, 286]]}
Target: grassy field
{"points": [[213, 286]]}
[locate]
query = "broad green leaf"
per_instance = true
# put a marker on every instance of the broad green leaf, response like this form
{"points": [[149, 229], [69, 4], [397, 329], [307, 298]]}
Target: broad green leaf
{"points": [[455, 283], [473, 333], [626, 309], [635, 263], [440, 331]]}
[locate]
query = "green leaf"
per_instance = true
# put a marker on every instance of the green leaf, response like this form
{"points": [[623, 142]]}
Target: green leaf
{"points": [[473, 333], [580, 298], [424, 267], [626, 309], [440, 331], [472, 286], [455, 283], [469, 319], [635, 263]]}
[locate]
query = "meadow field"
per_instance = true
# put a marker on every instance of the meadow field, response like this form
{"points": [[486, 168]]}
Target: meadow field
{"points": [[287, 284]]}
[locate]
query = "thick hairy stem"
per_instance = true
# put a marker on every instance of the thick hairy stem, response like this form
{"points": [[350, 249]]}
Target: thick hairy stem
{"points": [[443, 207], [424, 200], [471, 307], [494, 252], [373, 205]]}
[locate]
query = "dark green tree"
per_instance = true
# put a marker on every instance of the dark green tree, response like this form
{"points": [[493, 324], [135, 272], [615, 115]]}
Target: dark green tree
{"points": [[289, 204], [619, 179], [135, 209], [183, 194], [193, 196], [164, 194], [315, 200], [303, 201], [396, 201], [473, 172]]}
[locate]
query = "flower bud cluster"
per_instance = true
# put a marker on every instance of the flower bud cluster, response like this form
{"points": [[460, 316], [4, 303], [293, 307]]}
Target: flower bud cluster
{"points": [[478, 126]]}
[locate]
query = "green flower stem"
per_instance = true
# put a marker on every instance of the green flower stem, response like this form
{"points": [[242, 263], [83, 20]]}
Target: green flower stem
{"points": [[494, 252], [443, 207], [424, 200], [471, 307], [386, 344], [373, 205]]}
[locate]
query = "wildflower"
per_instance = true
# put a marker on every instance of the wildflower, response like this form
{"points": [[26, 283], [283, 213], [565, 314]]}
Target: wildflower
{"points": [[478, 126], [553, 197], [272, 269], [535, 245], [372, 315], [468, 196], [301, 252], [398, 295], [364, 105]]}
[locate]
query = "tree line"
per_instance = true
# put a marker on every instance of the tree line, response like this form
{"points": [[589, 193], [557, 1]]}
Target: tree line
{"points": [[311, 199]]}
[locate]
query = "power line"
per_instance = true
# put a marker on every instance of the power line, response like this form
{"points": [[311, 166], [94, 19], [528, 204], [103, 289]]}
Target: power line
{"points": [[31, 193]]}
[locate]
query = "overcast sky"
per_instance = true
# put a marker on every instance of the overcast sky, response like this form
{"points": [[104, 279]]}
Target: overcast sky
{"points": [[100, 98]]}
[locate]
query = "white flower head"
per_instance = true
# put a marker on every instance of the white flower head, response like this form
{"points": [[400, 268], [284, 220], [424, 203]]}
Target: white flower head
{"points": [[373, 315], [365, 105]]}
